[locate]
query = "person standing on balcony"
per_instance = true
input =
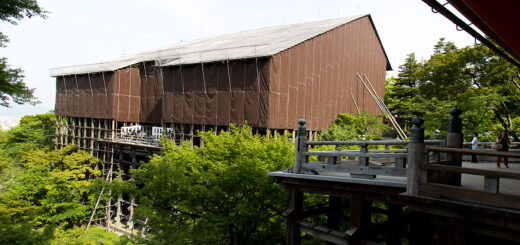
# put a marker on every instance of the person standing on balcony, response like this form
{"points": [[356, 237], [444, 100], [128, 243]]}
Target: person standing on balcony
{"points": [[503, 140], [474, 146]]}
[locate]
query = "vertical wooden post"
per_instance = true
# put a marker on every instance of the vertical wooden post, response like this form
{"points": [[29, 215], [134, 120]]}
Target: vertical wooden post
{"points": [[56, 132], [359, 217], [415, 156], [393, 234], [454, 139], [300, 140], [363, 161], [292, 215], [334, 214]]}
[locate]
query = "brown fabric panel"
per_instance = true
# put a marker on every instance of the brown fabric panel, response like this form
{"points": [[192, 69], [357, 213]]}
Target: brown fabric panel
{"points": [[274, 119], [224, 108], [252, 108], [177, 80], [75, 95], [237, 107], [292, 107], [274, 99], [308, 85], [85, 95], [134, 81], [264, 110], [211, 108], [223, 76], [135, 102], [238, 70], [198, 79], [168, 79], [187, 73], [60, 91], [107, 101], [283, 110], [210, 76], [301, 83], [264, 70], [167, 107], [199, 108], [177, 107], [251, 78], [188, 107]]}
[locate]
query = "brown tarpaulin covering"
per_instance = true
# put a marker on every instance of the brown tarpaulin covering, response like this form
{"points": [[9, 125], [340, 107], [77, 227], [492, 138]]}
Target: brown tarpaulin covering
{"points": [[217, 93], [314, 80], [85, 95]]}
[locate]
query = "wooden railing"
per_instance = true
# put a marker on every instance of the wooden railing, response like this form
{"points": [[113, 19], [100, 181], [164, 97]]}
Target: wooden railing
{"points": [[488, 193], [363, 163], [437, 171]]}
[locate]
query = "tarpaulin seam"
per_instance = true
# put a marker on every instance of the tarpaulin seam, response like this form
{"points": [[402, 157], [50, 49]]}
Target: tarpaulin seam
{"points": [[130, 94], [217, 95], [230, 94], [77, 88], [258, 89], [106, 92], [67, 96], [205, 90], [118, 93], [90, 84], [244, 93]]}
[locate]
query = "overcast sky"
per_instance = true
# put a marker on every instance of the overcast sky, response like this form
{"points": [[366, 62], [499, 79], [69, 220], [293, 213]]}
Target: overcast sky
{"points": [[81, 32]]}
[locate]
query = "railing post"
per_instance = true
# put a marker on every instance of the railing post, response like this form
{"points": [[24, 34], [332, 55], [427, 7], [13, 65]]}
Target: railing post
{"points": [[454, 139], [301, 136], [415, 156]]}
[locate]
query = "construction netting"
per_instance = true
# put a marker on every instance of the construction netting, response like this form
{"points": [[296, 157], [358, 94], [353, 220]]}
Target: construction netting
{"points": [[217, 93]]}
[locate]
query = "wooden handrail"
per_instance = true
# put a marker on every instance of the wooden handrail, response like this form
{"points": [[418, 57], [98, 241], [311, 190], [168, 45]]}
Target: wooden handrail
{"points": [[353, 154], [472, 152], [473, 171], [370, 142]]}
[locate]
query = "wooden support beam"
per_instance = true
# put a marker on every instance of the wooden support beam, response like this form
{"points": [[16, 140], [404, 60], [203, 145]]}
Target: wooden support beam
{"points": [[292, 215]]}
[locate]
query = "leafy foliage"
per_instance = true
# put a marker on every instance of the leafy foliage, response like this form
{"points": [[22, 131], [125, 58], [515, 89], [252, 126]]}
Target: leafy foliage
{"points": [[472, 78], [33, 132], [216, 193], [354, 127], [11, 79]]}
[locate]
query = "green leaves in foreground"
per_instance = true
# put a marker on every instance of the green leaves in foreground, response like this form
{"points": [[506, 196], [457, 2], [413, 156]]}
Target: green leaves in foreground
{"points": [[216, 193]]}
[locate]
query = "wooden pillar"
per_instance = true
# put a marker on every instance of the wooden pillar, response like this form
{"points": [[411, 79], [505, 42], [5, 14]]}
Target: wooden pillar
{"points": [[292, 215], [191, 135], [454, 139], [334, 214], [67, 131], [56, 132], [131, 217], [393, 233], [359, 218], [415, 156], [299, 147], [182, 133]]}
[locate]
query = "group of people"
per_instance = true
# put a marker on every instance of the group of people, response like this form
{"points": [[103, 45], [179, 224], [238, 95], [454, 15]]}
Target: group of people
{"points": [[502, 141]]}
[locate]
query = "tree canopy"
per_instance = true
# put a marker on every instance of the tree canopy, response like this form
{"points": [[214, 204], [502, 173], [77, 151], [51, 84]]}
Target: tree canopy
{"points": [[472, 78], [12, 86], [217, 193]]}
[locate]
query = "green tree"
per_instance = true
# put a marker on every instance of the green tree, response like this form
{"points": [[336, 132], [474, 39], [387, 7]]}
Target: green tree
{"points": [[476, 80], [354, 127], [33, 132], [216, 193], [48, 192], [12, 86]]}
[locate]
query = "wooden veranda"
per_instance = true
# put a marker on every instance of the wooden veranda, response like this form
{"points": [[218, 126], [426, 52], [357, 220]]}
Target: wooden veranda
{"points": [[429, 196]]}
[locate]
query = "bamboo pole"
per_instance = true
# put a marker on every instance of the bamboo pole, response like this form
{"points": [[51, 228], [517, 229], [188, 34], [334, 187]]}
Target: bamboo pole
{"points": [[384, 105], [355, 103], [380, 107]]}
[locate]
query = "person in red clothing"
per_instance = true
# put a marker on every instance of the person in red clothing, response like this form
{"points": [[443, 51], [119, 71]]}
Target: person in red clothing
{"points": [[503, 140]]}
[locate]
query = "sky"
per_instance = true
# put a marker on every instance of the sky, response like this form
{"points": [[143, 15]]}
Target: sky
{"points": [[81, 32]]}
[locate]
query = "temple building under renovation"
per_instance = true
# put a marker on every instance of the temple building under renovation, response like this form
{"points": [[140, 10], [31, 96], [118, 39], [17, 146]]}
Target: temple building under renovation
{"points": [[266, 78]]}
